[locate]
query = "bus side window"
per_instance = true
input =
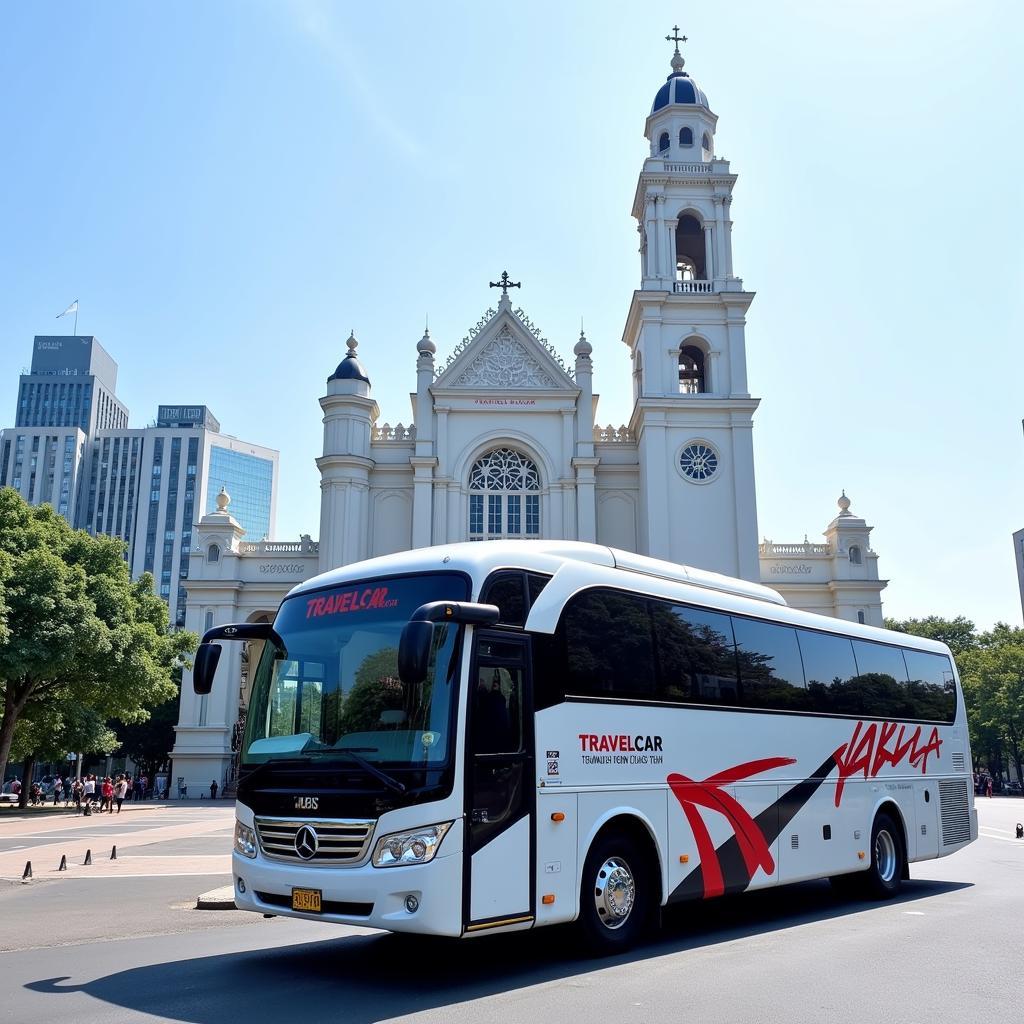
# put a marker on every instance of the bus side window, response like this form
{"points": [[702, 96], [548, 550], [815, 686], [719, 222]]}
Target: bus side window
{"points": [[831, 671], [696, 655], [882, 680], [608, 640], [931, 686], [771, 673], [507, 591]]}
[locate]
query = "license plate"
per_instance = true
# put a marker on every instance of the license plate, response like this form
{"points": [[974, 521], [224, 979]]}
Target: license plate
{"points": [[306, 899]]}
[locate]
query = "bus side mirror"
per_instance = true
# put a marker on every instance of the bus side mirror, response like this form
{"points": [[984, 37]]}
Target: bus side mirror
{"points": [[414, 651], [205, 667]]}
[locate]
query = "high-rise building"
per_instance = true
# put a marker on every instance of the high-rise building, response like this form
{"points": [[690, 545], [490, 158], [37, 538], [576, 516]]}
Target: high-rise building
{"points": [[72, 447]]}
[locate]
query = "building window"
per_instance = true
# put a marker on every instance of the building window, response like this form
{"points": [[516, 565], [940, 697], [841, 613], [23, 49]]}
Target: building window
{"points": [[860, 616], [692, 380], [698, 461], [504, 496], [691, 251], [213, 553], [685, 136], [855, 555], [706, 142], [663, 143]]}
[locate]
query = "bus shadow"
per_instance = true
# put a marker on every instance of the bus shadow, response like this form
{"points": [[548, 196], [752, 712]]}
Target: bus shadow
{"points": [[367, 978]]}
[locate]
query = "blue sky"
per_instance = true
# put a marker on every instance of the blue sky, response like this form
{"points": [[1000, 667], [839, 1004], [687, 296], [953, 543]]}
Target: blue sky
{"points": [[228, 188]]}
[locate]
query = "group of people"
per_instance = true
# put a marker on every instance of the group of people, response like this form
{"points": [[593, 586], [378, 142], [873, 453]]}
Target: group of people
{"points": [[90, 790]]}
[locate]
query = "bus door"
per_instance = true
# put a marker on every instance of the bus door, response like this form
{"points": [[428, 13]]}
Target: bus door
{"points": [[500, 794]]}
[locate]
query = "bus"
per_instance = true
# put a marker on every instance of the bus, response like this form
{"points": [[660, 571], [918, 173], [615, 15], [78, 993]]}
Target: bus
{"points": [[494, 736]]}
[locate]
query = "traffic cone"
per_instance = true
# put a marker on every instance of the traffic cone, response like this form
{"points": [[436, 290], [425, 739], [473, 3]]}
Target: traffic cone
{"points": [[27, 873], [88, 858], [113, 853], [63, 862]]}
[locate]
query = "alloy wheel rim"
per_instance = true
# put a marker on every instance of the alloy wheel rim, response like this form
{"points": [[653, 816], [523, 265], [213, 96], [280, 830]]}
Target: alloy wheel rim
{"points": [[885, 856], [614, 893]]}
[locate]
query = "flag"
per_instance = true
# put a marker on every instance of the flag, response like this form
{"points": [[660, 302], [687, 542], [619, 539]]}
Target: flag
{"points": [[73, 308]]}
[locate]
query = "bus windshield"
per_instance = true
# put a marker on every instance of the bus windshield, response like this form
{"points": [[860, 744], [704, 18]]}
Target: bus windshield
{"points": [[332, 684]]}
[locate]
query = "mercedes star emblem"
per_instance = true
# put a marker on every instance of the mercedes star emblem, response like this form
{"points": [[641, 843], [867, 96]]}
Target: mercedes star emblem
{"points": [[306, 843]]}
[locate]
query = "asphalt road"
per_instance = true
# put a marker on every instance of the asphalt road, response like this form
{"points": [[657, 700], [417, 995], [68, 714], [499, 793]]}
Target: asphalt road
{"points": [[112, 950]]}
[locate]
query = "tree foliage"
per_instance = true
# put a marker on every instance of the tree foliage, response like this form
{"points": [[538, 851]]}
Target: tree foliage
{"points": [[75, 629]]}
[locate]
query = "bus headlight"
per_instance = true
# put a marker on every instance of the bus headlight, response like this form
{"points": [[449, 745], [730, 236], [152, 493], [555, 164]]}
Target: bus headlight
{"points": [[245, 840], [417, 846]]}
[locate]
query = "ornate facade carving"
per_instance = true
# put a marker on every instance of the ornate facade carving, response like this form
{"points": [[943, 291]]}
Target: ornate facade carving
{"points": [[505, 362]]}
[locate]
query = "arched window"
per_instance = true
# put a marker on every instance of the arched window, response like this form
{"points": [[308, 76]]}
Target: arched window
{"points": [[706, 141], [690, 249], [663, 142], [854, 554], [691, 371], [504, 496], [685, 136], [213, 553]]}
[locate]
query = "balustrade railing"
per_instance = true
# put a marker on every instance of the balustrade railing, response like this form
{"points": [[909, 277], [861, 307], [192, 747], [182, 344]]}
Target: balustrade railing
{"points": [[769, 548], [394, 433], [674, 168], [613, 435], [694, 287]]}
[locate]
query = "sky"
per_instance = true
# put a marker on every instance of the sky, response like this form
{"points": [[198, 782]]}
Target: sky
{"points": [[229, 188]]}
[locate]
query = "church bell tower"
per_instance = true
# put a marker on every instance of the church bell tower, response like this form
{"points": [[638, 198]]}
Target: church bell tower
{"points": [[692, 411]]}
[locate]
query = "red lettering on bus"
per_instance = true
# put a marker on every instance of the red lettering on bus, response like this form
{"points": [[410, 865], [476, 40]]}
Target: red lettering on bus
{"points": [[870, 749]]}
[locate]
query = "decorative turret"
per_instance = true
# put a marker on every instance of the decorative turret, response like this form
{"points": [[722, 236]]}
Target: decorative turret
{"points": [[681, 125], [349, 415]]}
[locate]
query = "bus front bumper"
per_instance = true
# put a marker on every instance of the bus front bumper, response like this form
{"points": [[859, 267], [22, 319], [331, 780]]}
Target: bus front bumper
{"points": [[363, 895]]}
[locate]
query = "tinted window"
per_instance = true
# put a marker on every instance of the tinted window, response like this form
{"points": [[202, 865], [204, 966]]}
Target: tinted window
{"points": [[536, 585], [830, 668], [696, 655], [881, 683], [771, 673], [506, 591], [932, 690], [608, 639]]}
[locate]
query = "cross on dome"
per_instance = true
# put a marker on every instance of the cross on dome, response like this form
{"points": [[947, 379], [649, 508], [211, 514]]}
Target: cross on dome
{"points": [[677, 57]]}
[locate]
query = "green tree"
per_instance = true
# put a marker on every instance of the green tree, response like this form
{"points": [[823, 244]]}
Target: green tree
{"points": [[959, 634], [76, 626], [149, 743], [993, 681]]}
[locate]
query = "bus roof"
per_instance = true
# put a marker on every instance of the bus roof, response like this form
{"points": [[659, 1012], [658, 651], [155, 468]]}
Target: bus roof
{"points": [[480, 558]]}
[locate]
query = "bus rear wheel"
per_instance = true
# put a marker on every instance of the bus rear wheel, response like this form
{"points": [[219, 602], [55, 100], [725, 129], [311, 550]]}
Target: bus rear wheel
{"points": [[883, 879], [617, 894]]}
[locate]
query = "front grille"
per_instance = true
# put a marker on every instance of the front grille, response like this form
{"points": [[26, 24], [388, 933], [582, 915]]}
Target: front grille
{"points": [[329, 906], [339, 841], [954, 808]]}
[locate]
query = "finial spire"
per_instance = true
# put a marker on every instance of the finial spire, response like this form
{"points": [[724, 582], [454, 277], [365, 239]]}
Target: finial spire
{"points": [[351, 342], [677, 58], [505, 283]]}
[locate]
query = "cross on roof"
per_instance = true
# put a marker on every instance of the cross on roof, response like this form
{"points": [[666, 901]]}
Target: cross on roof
{"points": [[504, 284], [676, 37]]}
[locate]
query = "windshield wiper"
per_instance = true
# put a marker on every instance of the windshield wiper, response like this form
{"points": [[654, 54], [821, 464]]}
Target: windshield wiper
{"points": [[372, 769]]}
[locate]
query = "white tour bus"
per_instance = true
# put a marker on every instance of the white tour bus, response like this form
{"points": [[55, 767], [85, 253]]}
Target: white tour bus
{"points": [[495, 736]]}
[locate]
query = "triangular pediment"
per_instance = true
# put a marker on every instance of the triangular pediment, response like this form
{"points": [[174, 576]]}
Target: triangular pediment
{"points": [[505, 352]]}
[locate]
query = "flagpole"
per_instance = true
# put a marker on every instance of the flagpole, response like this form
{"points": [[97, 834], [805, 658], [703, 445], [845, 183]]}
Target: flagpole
{"points": [[76, 318]]}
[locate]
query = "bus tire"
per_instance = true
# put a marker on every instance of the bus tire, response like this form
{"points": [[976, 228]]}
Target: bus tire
{"points": [[616, 894], [884, 877]]}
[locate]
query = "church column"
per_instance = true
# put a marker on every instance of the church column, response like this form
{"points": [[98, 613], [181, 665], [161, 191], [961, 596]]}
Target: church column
{"points": [[650, 237], [422, 500], [586, 498], [670, 250], [709, 255], [727, 210], [661, 270], [720, 261]]}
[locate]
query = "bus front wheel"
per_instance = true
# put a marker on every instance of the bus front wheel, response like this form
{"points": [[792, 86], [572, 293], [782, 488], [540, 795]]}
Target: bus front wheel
{"points": [[616, 895]]}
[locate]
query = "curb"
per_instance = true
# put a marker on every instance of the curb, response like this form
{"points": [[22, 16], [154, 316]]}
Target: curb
{"points": [[217, 899]]}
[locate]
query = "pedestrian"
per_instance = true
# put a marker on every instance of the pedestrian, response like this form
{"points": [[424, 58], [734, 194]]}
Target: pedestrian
{"points": [[107, 802], [213, 790], [988, 786], [145, 786], [89, 789], [119, 791], [58, 790], [76, 792]]}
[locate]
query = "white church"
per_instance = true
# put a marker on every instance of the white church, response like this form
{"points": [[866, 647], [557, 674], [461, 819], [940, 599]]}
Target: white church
{"points": [[505, 442]]}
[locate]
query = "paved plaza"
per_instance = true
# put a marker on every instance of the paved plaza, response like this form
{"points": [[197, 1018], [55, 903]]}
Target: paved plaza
{"points": [[122, 942]]}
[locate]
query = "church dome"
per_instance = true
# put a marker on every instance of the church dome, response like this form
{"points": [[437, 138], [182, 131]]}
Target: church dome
{"points": [[680, 88], [350, 368]]}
